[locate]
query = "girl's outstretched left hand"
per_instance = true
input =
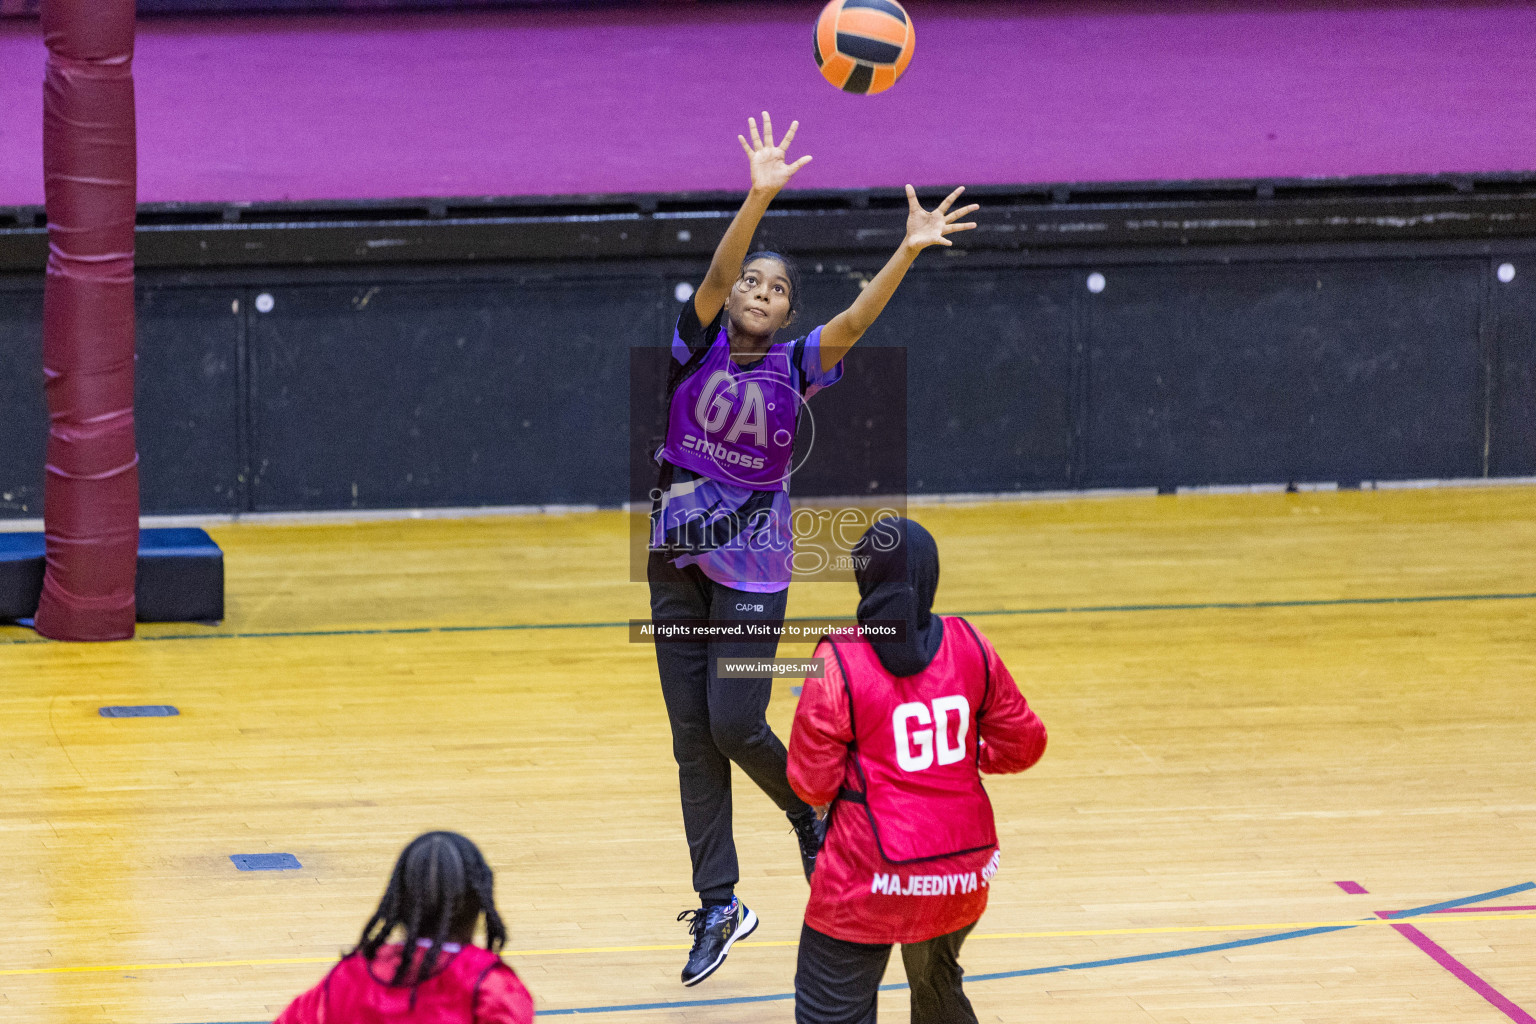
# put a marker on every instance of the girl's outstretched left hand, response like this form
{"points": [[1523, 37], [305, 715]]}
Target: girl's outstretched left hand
{"points": [[928, 227]]}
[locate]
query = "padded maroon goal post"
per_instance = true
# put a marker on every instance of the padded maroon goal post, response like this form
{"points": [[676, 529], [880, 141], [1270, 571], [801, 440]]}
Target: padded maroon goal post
{"points": [[91, 490]]}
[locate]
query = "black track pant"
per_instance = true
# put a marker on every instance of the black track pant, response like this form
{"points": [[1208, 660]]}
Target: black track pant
{"points": [[716, 721], [836, 982]]}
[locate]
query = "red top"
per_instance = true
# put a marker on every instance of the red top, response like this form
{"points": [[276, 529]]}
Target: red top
{"points": [[914, 748], [472, 986]]}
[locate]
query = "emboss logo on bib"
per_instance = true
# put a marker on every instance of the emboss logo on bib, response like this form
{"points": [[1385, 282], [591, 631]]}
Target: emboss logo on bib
{"points": [[720, 453], [923, 737]]}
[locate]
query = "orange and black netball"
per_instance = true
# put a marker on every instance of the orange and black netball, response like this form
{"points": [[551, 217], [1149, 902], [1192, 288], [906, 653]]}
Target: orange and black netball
{"points": [[863, 46]]}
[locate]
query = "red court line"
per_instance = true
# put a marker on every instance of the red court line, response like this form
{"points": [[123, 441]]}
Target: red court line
{"points": [[1439, 955]]}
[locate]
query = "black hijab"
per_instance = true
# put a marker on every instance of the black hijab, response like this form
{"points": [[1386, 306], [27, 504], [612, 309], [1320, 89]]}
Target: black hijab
{"points": [[897, 584]]}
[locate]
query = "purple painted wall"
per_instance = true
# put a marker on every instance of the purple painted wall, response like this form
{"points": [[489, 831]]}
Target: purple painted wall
{"points": [[31, 8], [626, 99]]}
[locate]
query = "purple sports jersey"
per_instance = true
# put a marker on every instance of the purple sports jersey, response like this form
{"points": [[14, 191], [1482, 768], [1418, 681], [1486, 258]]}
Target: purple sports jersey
{"points": [[733, 424], [734, 525]]}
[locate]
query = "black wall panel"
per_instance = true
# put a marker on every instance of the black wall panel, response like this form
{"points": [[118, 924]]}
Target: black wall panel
{"points": [[188, 395], [187, 414], [23, 412], [1512, 331], [1270, 372], [490, 393], [499, 384], [989, 370]]}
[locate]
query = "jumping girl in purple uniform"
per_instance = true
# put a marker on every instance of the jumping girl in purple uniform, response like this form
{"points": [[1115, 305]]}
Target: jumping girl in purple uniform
{"points": [[720, 525]]}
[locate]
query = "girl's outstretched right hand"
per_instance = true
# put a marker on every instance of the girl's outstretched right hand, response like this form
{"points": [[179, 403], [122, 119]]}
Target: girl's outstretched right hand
{"points": [[769, 170]]}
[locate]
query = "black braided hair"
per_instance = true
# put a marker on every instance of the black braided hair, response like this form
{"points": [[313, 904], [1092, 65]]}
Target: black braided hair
{"points": [[791, 271], [439, 888]]}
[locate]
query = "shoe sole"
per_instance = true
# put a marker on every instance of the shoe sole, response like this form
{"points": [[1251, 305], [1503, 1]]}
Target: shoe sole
{"points": [[748, 926]]}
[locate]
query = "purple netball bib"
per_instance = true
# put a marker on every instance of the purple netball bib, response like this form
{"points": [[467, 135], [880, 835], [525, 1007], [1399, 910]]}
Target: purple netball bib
{"points": [[733, 425]]}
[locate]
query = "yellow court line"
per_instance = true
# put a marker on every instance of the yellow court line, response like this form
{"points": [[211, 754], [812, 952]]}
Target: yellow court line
{"points": [[91, 968], [1088, 933]]}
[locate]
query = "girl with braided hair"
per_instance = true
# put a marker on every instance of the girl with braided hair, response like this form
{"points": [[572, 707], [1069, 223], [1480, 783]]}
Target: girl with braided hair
{"points": [[437, 894]]}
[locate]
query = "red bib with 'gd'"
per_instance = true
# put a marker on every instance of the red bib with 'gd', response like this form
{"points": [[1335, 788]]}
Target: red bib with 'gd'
{"points": [[915, 748]]}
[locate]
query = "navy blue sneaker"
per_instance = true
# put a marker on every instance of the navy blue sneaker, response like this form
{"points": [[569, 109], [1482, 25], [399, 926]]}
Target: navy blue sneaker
{"points": [[714, 930]]}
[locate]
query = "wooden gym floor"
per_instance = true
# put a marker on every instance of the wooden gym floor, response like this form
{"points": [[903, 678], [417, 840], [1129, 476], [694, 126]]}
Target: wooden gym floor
{"points": [[1251, 699]]}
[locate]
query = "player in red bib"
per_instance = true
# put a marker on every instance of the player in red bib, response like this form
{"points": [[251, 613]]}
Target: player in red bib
{"points": [[895, 737], [440, 888]]}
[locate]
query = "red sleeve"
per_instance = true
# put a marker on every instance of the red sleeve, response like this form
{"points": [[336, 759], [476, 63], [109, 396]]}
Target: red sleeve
{"points": [[1012, 736], [503, 999], [308, 1008], [818, 741]]}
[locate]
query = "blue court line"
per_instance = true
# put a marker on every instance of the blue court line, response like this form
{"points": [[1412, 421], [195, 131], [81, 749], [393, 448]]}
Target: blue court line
{"points": [[1080, 966], [1143, 957], [777, 997], [1087, 609], [898, 987], [1083, 965], [1431, 908]]}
